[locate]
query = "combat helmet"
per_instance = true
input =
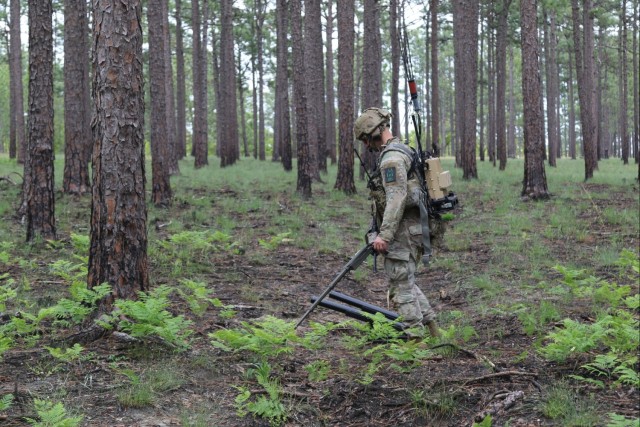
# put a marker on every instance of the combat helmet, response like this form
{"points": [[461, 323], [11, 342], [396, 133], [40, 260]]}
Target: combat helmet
{"points": [[369, 124]]}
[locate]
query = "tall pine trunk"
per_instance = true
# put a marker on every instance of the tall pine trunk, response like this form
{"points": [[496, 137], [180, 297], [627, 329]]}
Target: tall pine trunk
{"points": [[435, 96], [181, 117], [330, 110], [346, 111], [77, 114], [40, 197], [303, 186], [17, 139], [228, 97], [535, 180], [283, 116], [118, 248], [160, 154]]}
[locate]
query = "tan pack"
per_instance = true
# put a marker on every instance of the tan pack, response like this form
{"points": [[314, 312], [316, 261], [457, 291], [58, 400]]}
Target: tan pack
{"points": [[438, 181]]}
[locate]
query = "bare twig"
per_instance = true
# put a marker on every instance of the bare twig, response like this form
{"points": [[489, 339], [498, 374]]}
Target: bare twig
{"points": [[500, 374]]}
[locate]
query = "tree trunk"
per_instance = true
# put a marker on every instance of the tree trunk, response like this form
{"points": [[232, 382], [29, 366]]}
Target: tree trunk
{"points": [[636, 95], [172, 147], [583, 48], [511, 130], [118, 249], [435, 99], [501, 82], [40, 198], [481, 83], [371, 67], [228, 97], [160, 154], [535, 180], [572, 114], [77, 115], [283, 118], [394, 44], [465, 41], [259, 12], [314, 83], [199, 82], [550, 73], [243, 119], [330, 110], [624, 136], [346, 36], [305, 176], [181, 119], [18, 141]]}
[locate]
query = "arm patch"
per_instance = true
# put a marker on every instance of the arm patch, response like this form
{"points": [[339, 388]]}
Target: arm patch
{"points": [[390, 175]]}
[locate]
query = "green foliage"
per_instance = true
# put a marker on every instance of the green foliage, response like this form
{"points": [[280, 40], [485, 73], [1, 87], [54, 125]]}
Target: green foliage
{"points": [[7, 291], [534, 319], [80, 243], [198, 296], [148, 317], [53, 415], [274, 241], [567, 408], [268, 337], [269, 406], [68, 355], [318, 370], [616, 420], [6, 401], [486, 422]]}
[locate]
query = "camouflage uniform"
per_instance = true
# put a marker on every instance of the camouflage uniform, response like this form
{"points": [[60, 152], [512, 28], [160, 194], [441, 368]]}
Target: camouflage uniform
{"points": [[396, 197]]}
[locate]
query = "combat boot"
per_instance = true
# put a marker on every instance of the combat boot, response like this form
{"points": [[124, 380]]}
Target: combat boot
{"points": [[433, 328]]}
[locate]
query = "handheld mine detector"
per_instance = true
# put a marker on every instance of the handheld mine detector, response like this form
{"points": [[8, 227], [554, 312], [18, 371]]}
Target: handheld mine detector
{"points": [[435, 182], [353, 263]]}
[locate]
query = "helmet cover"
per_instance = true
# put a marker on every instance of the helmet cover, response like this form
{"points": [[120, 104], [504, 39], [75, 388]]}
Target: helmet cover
{"points": [[369, 122]]}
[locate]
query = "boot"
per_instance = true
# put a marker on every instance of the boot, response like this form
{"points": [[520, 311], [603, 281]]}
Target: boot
{"points": [[433, 329]]}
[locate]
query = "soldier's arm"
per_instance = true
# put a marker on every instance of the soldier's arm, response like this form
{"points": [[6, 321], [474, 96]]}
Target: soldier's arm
{"points": [[394, 180]]}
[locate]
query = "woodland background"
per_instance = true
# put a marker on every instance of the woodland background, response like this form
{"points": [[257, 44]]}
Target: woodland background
{"points": [[159, 288]]}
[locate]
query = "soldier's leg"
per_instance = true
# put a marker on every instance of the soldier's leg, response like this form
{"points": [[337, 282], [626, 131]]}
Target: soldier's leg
{"points": [[402, 290]]}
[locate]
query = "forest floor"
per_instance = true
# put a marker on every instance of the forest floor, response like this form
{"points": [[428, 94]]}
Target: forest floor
{"points": [[507, 276]]}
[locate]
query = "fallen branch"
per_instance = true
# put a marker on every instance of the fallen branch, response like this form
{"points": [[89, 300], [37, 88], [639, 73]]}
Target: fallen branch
{"points": [[508, 400], [500, 374], [469, 353]]}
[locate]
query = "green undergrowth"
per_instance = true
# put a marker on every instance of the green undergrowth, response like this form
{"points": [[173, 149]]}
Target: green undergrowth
{"points": [[560, 272]]}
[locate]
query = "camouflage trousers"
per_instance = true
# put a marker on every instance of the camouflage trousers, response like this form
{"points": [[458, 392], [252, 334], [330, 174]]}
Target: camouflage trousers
{"points": [[410, 302]]}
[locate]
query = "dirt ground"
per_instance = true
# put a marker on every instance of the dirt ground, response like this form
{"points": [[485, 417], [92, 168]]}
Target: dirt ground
{"points": [[498, 363]]}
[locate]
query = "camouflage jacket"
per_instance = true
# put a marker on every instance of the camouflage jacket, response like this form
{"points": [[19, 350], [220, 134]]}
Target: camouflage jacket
{"points": [[394, 188]]}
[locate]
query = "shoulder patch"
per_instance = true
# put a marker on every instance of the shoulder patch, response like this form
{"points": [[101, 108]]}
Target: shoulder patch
{"points": [[390, 174]]}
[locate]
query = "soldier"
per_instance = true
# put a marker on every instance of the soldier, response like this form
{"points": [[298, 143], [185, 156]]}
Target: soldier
{"points": [[395, 191]]}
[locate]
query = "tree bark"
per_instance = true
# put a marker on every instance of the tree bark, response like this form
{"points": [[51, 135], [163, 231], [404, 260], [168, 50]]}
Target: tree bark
{"points": [[199, 142], [511, 130], [371, 67], [77, 113], [394, 44], [572, 114], [303, 186], [40, 198], [17, 139], [535, 181], [465, 41], [181, 118], [118, 249], [259, 23], [624, 135], [330, 110], [550, 73], [501, 82], [583, 48], [314, 83], [283, 118], [435, 97], [160, 154], [228, 97], [636, 95], [346, 87], [172, 146]]}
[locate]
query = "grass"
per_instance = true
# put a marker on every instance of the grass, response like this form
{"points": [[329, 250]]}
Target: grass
{"points": [[497, 259]]}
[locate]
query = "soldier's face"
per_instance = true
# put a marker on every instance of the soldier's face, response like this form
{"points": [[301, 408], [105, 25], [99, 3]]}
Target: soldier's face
{"points": [[373, 143]]}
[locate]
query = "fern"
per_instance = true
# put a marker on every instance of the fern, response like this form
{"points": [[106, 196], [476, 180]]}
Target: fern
{"points": [[53, 415], [5, 402], [269, 407], [198, 296], [616, 420], [7, 292], [274, 241], [269, 337], [80, 243], [149, 317], [66, 355]]}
